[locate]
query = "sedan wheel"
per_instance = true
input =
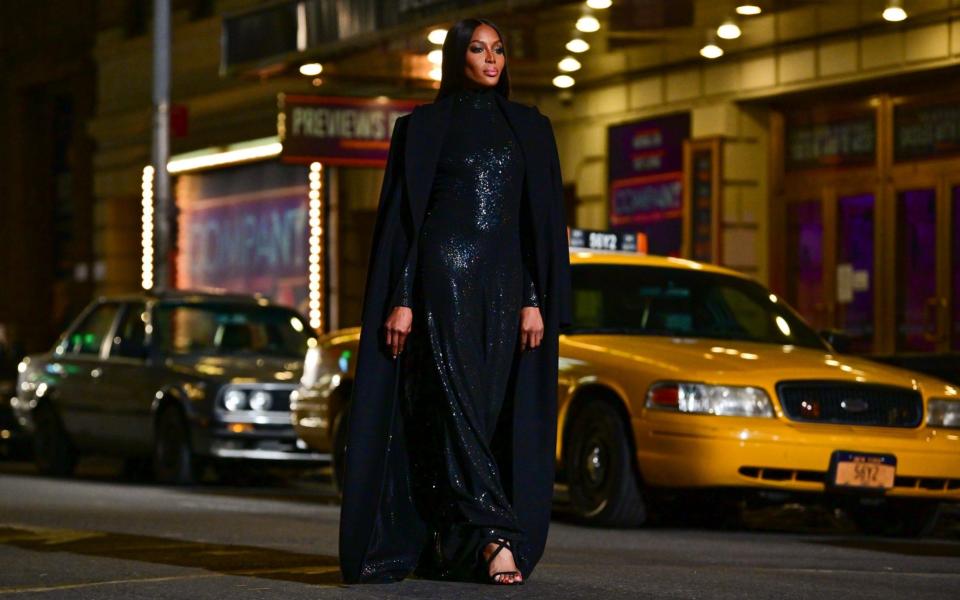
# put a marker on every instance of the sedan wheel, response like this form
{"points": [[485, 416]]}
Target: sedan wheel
{"points": [[173, 460], [603, 487]]}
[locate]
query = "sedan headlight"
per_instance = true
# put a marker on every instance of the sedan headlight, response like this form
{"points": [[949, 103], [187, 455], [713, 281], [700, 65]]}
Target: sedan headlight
{"points": [[942, 412], [235, 400], [260, 400], [311, 367], [700, 398]]}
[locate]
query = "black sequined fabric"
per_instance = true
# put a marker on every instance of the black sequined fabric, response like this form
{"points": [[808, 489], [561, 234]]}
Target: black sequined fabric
{"points": [[471, 278]]}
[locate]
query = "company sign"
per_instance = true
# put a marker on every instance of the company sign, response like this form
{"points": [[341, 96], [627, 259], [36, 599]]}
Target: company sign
{"points": [[245, 229], [646, 179]]}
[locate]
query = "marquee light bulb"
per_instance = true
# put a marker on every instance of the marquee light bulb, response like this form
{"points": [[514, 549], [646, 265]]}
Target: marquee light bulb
{"points": [[729, 30], [711, 51], [599, 4], [569, 64], [563, 81], [588, 24], [748, 9], [435, 57], [437, 36], [577, 45], [894, 11]]}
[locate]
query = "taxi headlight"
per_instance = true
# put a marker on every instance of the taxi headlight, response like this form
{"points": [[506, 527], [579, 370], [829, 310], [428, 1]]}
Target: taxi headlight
{"points": [[700, 398], [942, 412], [234, 400]]}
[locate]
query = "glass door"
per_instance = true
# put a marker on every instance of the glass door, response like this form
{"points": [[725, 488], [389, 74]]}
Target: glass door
{"points": [[805, 289], [916, 310], [854, 269]]}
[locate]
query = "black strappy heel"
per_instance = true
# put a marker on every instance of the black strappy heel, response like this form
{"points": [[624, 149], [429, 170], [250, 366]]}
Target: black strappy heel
{"points": [[492, 578]]}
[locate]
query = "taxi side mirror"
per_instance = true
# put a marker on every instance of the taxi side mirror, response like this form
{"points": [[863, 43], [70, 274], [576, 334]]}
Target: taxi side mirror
{"points": [[840, 341]]}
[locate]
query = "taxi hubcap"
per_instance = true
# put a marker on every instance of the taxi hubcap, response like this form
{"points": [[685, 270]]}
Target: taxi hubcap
{"points": [[594, 463]]}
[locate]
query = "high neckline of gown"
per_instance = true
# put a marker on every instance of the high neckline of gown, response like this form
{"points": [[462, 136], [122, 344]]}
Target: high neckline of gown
{"points": [[479, 98]]}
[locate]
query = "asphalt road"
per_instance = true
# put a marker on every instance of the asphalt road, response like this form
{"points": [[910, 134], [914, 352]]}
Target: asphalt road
{"points": [[99, 537]]}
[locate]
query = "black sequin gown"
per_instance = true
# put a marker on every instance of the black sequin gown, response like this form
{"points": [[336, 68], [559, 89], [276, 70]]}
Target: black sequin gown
{"points": [[472, 276]]}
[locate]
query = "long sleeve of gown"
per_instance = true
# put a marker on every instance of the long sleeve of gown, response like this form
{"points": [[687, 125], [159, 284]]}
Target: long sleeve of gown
{"points": [[403, 296]]}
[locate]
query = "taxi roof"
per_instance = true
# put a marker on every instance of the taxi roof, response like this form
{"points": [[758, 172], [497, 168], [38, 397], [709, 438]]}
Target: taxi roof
{"points": [[620, 257]]}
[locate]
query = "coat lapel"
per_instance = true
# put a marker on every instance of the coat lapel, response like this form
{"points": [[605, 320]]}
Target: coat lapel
{"points": [[428, 126], [535, 182]]}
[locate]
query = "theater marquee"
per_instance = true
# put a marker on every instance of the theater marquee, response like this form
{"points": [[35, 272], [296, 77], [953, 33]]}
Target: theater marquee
{"points": [[337, 130]]}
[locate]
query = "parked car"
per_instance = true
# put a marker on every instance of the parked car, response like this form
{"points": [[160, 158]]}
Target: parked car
{"points": [[14, 441], [679, 376], [178, 379]]}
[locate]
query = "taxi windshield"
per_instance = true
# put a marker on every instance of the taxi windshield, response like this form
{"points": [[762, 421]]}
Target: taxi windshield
{"points": [[230, 329], [663, 301]]}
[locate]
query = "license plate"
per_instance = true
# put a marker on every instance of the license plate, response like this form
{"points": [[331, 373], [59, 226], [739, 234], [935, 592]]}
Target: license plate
{"points": [[861, 470]]}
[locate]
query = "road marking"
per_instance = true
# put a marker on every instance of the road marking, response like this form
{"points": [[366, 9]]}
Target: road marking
{"points": [[48, 536], [721, 567], [70, 586]]}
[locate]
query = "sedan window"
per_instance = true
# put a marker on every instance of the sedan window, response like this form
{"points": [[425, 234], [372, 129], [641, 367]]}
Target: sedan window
{"points": [[128, 342], [87, 338], [224, 329]]}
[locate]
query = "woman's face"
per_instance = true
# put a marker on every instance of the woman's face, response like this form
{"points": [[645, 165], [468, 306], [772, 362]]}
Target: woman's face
{"points": [[485, 57]]}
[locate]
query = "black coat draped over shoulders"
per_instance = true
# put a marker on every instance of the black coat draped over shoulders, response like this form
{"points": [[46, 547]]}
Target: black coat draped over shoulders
{"points": [[377, 499]]}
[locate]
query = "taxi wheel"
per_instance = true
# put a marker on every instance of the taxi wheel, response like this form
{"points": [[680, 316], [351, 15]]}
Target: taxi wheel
{"points": [[173, 459], [53, 452], [896, 517], [603, 486]]}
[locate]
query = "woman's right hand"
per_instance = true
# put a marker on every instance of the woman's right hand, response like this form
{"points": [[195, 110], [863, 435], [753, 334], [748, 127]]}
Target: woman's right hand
{"points": [[398, 325]]}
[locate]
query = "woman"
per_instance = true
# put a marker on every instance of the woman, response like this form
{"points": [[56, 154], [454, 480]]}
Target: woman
{"points": [[452, 428]]}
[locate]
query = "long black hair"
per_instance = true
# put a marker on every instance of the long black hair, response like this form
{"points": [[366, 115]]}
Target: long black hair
{"points": [[455, 58]]}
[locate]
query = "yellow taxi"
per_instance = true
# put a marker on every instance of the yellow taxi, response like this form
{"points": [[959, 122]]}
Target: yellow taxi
{"points": [[678, 376]]}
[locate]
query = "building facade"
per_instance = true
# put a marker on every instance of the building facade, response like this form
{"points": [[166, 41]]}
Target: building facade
{"points": [[818, 154], [48, 268]]}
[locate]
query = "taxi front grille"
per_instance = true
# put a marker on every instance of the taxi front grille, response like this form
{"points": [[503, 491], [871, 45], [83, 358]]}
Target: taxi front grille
{"points": [[850, 404]]}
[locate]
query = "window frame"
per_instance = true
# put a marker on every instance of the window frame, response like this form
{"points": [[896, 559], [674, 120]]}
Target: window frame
{"points": [[127, 307]]}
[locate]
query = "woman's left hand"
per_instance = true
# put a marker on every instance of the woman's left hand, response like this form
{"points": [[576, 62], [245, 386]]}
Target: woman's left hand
{"points": [[531, 327]]}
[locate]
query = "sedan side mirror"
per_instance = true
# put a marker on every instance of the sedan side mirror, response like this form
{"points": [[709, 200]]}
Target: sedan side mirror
{"points": [[840, 341]]}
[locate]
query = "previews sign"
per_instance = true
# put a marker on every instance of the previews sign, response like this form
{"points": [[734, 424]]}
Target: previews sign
{"points": [[338, 130]]}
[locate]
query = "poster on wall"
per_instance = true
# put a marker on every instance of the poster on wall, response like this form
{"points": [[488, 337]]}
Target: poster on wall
{"points": [[245, 229], [646, 180], [840, 137], [923, 131]]}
